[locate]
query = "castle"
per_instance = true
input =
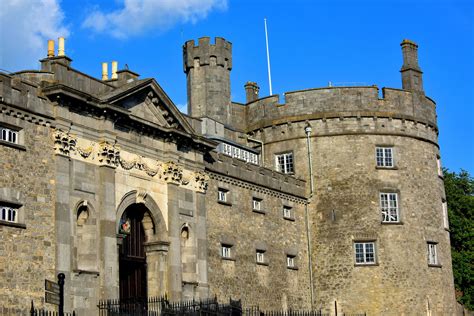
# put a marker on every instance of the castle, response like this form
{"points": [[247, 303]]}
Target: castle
{"points": [[332, 198]]}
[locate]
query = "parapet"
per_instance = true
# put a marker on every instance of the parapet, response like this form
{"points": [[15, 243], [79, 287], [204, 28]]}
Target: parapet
{"points": [[221, 51]]}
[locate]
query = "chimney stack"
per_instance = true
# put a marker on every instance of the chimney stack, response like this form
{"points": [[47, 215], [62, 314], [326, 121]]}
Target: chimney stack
{"points": [[114, 70], [251, 91], [105, 74], [61, 51], [411, 73], [50, 48]]}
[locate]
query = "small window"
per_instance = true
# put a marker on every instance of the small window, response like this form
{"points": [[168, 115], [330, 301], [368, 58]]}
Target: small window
{"points": [[257, 204], [389, 207], [8, 214], [384, 157], [433, 254], [8, 135], [222, 195], [290, 261], [445, 215], [226, 251], [284, 163], [227, 149], [288, 212], [237, 152], [440, 169], [260, 256], [364, 252]]}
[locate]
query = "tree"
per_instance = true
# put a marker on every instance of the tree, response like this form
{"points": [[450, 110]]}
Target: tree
{"points": [[460, 198]]}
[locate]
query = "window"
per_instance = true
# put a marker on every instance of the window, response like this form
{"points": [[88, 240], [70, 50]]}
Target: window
{"points": [[384, 157], [226, 251], [389, 207], [445, 215], [432, 254], [257, 204], [438, 163], [284, 163], [8, 214], [222, 195], [290, 261], [227, 149], [260, 256], [364, 252], [287, 212], [237, 152], [8, 135]]}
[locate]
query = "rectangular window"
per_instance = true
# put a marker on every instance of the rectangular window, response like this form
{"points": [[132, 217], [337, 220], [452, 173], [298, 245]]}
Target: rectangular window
{"points": [[389, 207], [364, 252], [432, 254], [236, 152], [226, 251], [260, 256], [257, 204], [284, 163], [440, 169], [8, 214], [8, 135], [227, 149], [222, 195], [287, 212], [384, 157], [445, 215], [290, 261]]}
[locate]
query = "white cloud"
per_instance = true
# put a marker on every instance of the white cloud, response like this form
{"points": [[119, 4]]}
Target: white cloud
{"points": [[25, 27], [138, 16]]}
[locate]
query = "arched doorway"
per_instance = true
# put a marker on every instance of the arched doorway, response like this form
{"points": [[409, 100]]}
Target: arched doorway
{"points": [[132, 258]]}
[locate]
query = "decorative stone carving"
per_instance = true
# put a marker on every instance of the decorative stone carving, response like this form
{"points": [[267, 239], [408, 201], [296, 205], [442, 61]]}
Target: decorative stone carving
{"points": [[142, 165], [127, 165], [202, 180], [172, 172], [64, 142], [109, 155], [85, 152], [141, 195]]}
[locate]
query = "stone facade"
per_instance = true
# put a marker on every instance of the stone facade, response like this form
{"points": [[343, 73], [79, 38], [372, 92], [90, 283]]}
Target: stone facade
{"points": [[98, 163]]}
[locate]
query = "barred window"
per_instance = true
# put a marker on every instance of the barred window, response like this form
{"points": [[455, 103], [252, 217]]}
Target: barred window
{"points": [[432, 254], [260, 256], [226, 251], [389, 207], [445, 215], [287, 212], [8, 135], [364, 252], [222, 195], [227, 149], [384, 156], [290, 261], [8, 214], [284, 162], [257, 204]]}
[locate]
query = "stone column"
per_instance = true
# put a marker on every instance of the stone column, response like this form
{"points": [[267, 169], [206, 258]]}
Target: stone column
{"points": [[156, 260]]}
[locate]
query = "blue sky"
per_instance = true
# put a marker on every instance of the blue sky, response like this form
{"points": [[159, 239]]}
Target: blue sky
{"points": [[311, 43]]}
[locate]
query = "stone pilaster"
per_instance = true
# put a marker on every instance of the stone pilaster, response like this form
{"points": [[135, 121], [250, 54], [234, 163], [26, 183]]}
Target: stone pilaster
{"points": [[201, 237], [156, 259], [174, 255]]}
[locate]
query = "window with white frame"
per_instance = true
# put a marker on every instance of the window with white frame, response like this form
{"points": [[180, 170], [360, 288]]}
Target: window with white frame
{"points": [[384, 157], [8, 135], [257, 204], [290, 261], [260, 256], [227, 149], [432, 254], [8, 214], [287, 212], [222, 195], [226, 251], [284, 162], [364, 252], [445, 215], [438, 164], [237, 152], [389, 207]]}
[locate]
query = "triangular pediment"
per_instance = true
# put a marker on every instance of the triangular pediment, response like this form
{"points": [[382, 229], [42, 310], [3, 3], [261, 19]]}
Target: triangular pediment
{"points": [[146, 100]]}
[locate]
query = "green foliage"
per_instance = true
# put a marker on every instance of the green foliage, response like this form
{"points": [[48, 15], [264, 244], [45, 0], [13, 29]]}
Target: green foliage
{"points": [[460, 199]]}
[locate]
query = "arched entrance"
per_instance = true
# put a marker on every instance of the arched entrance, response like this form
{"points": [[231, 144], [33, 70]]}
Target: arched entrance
{"points": [[132, 257]]}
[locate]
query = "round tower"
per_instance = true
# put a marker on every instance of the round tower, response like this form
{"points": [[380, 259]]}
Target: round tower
{"points": [[379, 234], [207, 67]]}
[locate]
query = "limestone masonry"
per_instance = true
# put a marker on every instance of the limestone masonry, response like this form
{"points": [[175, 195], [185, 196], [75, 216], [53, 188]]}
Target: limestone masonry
{"points": [[327, 198]]}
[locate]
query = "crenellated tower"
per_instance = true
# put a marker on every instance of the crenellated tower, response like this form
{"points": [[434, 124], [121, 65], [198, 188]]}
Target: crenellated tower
{"points": [[412, 76], [207, 67]]}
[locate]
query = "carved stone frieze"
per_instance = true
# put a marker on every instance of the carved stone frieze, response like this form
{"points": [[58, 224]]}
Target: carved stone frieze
{"points": [[202, 180], [172, 172], [64, 142], [109, 155]]}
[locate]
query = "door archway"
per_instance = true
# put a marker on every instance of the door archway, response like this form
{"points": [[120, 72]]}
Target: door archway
{"points": [[132, 256]]}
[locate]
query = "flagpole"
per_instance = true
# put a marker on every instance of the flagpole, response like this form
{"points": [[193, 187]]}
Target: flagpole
{"points": [[268, 58]]}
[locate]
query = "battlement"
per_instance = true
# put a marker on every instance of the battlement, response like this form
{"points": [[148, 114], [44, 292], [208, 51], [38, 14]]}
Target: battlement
{"points": [[218, 54], [340, 102]]}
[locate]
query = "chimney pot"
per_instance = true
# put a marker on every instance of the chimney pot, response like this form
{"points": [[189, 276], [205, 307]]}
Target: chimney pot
{"points": [[114, 70], [105, 74], [61, 51], [50, 48]]}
